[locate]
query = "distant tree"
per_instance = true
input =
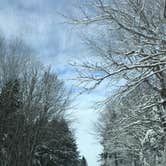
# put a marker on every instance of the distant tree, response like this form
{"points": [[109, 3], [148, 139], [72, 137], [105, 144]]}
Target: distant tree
{"points": [[83, 162]]}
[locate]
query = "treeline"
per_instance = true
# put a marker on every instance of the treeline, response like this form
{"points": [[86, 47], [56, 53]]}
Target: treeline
{"points": [[33, 102], [128, 39]]}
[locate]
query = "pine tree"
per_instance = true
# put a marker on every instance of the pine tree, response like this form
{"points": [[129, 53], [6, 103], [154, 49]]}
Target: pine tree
{"points": [[10, 102], [83, 162], [57, 146], [10, 98]]}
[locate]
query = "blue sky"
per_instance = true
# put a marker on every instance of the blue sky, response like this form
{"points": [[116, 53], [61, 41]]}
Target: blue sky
{"points": [[58, 44]]}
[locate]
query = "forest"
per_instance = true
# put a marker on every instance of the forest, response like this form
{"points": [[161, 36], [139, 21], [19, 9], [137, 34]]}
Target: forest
{"points": [[129, 48], [33, 128]]}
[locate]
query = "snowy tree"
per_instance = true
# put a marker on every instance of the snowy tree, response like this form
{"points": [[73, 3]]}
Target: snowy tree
{"points": [[131, 136], [129, 46]]}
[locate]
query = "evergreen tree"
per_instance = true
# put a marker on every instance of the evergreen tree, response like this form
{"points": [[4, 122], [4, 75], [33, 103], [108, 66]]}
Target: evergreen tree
{"points": [[10, 98], [58, 146], [83, 162], [10, 102]]}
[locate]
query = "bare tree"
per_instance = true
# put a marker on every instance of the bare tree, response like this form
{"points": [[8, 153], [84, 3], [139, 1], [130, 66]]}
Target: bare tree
{"points": [[131, 136], [30, 97], [130, 47]]}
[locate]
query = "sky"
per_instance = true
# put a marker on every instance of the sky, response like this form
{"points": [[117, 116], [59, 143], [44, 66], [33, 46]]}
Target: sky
{"points": [[39, 23]]}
